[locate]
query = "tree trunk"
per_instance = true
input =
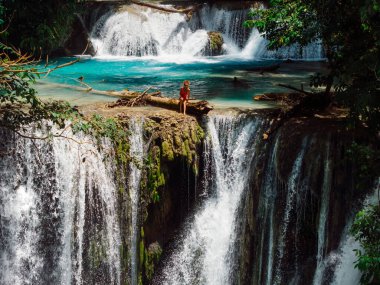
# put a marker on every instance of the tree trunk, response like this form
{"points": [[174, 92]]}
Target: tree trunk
{"points": [[165, 9], [196, 107]]}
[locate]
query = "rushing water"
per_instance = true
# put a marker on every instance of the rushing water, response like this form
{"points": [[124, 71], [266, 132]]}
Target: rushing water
{"points": [[204, 254], [176, 35], [323, 218], [166, 34], [58, 214], [60, 223]]}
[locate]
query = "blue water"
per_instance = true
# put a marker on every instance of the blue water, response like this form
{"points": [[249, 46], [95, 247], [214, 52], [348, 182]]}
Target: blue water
{"points": [[211, 78]]}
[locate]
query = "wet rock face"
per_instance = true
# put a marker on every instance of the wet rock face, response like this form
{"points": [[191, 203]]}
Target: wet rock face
{"points": [[168, 187], [177, 144], [78, 42], [299, 205]]}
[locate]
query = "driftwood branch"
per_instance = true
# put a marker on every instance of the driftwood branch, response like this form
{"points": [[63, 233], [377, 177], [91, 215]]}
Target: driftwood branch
{"points": [[59, 135], [295, 89], [139, 98], [165, 9], [195, 107]]}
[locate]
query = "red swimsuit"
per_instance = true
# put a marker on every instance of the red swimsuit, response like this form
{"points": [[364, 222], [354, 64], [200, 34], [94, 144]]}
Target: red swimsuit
{"points": [[184, 94]]}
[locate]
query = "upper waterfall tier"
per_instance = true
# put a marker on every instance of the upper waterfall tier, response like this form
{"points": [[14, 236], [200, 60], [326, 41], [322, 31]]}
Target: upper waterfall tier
{"points": [[132, 30]]}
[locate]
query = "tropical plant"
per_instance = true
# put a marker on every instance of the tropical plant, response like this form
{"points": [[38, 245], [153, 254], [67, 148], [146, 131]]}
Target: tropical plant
{"points": [[366, 230], [350, 34], [36, 26]]}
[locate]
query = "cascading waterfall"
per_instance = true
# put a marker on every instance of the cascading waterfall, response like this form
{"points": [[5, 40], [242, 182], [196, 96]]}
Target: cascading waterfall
{"points": [[137, 152], [292, 189], [323, 218], [138, 31], [58, 214], [60, 218], [312, 51], [166, 33], [343, 258], [270, 190], [203, 255]]}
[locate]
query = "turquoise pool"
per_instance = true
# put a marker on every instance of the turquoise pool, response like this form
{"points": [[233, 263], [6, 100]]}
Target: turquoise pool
{"points": [[212, 78]]}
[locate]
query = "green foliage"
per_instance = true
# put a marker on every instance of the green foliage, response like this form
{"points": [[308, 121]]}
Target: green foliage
{"points": [[155, 178], [366, 230], [350, 34], [99, 128], [167, 151], [19, 104], [367, 161], [151, 258], [148, 258], [36, 25], [285, 23]]}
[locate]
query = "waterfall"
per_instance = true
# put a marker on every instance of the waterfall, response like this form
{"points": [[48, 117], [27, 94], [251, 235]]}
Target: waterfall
{"points": [[323, 218], [312, 51], [136, 152], [204, 254], [342, 260], [139, 31], [58, 213], [63, 220], [270, 190], [165, 33], [292, 189]]}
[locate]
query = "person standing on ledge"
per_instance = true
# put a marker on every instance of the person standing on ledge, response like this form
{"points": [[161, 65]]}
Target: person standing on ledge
{"points": [[184, 96]]}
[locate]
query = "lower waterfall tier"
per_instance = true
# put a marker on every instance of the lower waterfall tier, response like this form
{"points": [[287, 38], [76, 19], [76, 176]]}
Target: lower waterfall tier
{"points": [[199, 202]]}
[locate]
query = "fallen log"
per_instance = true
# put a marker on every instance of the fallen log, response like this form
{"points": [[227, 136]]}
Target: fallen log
{"points": [[194, 107], [165, 9]]}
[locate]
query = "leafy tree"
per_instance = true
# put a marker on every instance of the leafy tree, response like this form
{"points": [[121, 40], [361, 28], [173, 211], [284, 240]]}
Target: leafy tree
{"points": [[366, 230], [350, 33], [19, 104], [38, 24]]}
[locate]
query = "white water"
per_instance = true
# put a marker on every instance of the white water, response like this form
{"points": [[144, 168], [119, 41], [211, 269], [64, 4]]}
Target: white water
{"points": [[313, 51], [51, 193], [203, 256], [292, 189], [323, 218], [139, 31], [136, 142], [345, 273], [270, 187]]}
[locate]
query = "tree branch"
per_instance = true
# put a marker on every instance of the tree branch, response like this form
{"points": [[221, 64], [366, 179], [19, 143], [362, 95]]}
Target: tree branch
{"points": [[294, 88], [165, 9]]}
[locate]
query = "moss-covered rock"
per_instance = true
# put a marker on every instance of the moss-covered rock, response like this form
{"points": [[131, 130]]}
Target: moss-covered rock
{"points": [[167, 150], [152, 257], [215, 44], [97, 252], [177, 137]]}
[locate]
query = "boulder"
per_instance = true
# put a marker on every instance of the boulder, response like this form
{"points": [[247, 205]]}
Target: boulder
{"points": [[215, 44]]}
